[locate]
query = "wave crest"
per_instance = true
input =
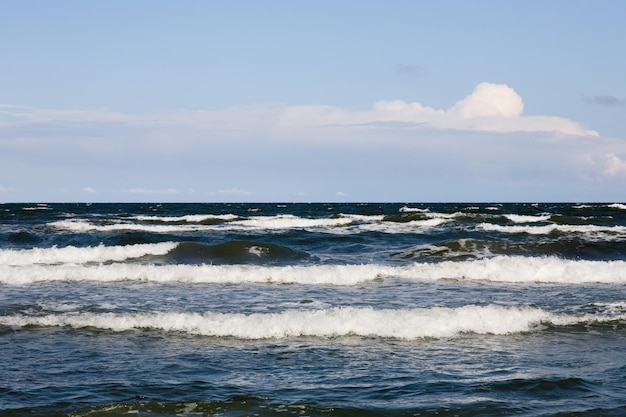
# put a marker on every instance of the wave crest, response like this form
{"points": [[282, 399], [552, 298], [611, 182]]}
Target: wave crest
{"points": [[500, 269], [233, 252], [435, 322]]}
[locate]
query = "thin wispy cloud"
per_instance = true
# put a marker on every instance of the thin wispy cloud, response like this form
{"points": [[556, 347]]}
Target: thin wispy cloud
{"points": [[604, 100], [409, 69]]}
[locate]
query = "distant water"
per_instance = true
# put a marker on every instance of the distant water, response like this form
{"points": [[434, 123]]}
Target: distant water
{"points": [[312, 309]]}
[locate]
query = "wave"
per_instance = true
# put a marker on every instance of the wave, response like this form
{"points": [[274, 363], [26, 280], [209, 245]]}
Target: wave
{"points": [[71, 254], [408, 324], [343, 223], [569, 247], [499, 269], [465, 216], [189, 218], [406, 221], [412, 225], [233, 252], [518, 218], [617, 206], [288, 221], [85, 226], [279, 222], [37, 207], [547, 229]]}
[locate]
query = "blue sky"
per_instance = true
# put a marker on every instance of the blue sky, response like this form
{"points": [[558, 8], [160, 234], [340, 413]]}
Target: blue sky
{"points": [[312, 101]]}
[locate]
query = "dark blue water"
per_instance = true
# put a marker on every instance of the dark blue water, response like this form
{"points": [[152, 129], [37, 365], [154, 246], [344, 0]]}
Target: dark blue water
{"points": [[312, 309]]}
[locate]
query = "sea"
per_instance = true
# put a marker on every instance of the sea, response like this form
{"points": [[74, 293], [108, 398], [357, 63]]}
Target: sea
{"points": [[372, 309]]}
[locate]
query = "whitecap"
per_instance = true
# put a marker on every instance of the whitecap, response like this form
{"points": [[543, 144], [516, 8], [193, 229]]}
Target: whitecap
{"points": [[407, 324], [72, 254], [547, 229], [517, 218], [499, 269]]}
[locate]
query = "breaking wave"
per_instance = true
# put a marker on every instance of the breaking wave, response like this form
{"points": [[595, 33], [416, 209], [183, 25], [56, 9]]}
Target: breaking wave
{"points": [[499, 269], [409, 324], [71, 254]]}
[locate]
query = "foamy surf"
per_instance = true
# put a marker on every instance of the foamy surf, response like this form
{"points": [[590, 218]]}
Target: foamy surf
{"points": [[517, 218], [500, 269], [547, 229], [435, 322], [75, 255], [386, 307], [188, 218], [340, 224]]}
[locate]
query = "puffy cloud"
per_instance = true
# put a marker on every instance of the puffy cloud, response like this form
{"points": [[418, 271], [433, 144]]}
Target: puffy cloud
{"points": [[489, 100], [602, 162], [489, 108], [89, 190]]}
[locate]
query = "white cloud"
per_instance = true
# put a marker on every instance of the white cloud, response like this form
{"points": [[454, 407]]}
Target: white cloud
{"points": [[614, 166], [489, 108], [395, 149], [603, 163], [88, 190], [489, 100]]}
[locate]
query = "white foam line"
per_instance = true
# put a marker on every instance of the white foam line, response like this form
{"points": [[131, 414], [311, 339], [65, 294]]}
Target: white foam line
{"points": [[435, 322], [190, 218], [71, 254], [547, 229], [517, 218], [618, 206], [500, 269]]}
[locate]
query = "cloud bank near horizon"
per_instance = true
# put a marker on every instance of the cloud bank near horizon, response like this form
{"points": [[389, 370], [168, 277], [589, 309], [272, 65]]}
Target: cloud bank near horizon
{"points": [[490, 107], [482, 143]]}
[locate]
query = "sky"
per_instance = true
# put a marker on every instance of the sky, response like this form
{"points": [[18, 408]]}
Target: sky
{"points": [[312, 101]]}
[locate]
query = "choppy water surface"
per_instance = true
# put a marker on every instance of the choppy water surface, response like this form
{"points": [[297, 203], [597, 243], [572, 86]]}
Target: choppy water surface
{"points": [[312, 309]]}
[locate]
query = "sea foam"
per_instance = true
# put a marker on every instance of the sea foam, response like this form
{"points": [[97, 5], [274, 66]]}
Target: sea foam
{"points": [[547, 229], [341, 224], [189, 218], [71, 254], [499, 269], [408, 324], [517, 218]]}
